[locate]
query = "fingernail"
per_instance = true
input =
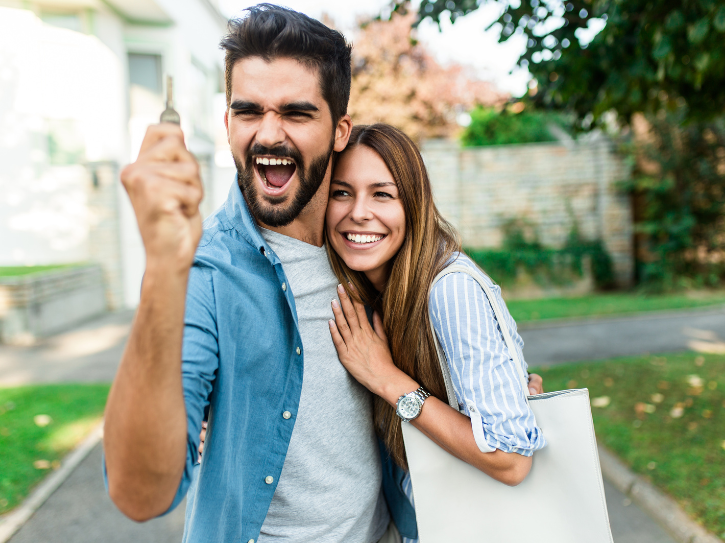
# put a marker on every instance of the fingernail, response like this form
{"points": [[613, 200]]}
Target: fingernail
{"points": [[340, 289], [532, 391], [335, 304], [331, 323]]}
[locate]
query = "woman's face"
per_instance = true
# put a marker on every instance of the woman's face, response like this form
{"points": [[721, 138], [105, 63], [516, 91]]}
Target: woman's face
{"points": [[365, 217]]}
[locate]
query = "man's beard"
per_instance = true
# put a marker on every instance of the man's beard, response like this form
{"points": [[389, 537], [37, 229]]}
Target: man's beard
{"points": [[310, 179]]}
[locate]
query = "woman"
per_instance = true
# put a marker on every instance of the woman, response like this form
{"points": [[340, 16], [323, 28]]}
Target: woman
{"points": [[387, 242]]}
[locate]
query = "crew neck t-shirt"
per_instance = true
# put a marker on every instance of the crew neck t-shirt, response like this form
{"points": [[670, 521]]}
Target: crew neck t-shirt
{"points": [[330, 489]]}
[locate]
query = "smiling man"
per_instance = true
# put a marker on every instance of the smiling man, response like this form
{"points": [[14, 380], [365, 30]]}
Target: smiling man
{"points": [[233, 315]]}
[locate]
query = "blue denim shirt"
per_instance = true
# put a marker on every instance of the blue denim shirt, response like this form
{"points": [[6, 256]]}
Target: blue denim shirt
{"points": [[243, 364]]}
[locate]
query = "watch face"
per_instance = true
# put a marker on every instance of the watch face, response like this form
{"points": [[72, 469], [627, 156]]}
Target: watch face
{"points": [[409, 407]]}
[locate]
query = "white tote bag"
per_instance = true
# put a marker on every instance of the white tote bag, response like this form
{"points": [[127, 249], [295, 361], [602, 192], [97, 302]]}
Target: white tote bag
{"points": [[560, 501]]}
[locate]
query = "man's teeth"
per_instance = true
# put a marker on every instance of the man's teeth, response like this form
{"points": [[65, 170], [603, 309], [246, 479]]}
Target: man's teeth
{"points": [[274, 161], [362, 238]]}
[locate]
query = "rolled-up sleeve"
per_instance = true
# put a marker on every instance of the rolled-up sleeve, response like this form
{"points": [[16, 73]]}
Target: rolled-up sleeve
{"points": [[486, 382], [200, 360]]}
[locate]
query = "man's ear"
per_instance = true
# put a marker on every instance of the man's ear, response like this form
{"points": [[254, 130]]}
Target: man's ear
{"points": [[226, 124], [342, 132]]}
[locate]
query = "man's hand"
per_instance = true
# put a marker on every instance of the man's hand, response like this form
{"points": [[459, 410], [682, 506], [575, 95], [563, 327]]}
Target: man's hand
{"points": [[165, 191]]}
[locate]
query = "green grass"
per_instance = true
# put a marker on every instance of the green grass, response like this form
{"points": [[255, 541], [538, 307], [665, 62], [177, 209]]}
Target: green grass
{"points": [[609, 304], [29, 451], [16, 271], [661, 422]]}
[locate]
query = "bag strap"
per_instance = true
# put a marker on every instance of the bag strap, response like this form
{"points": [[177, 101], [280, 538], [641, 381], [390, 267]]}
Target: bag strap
{"points": [[450, 391]]}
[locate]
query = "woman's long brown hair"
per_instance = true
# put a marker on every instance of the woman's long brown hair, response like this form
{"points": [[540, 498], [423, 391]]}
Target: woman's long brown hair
{"points": [[429, 243]]}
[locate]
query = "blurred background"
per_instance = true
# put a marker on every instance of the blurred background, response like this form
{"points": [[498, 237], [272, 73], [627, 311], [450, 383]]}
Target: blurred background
{"points": [[578, 147]]}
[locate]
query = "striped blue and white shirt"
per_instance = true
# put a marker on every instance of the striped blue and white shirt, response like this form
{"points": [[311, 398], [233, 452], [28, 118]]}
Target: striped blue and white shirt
{"points": [[482, 369]]}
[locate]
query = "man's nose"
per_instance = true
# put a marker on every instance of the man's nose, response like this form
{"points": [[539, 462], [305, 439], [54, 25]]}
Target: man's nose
{"points": [[270, 131]]}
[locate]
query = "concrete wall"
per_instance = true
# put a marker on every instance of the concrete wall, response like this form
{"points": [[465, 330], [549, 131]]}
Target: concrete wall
{"points": [[548, 185], [33, 306]]}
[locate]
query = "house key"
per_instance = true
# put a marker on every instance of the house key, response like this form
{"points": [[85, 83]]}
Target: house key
{"points": [[170, 115]]}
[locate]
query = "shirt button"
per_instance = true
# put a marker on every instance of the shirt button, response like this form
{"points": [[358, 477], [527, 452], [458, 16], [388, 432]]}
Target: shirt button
{"points": [[286, 415], [269, 479], [299, 351], [284, 286]]}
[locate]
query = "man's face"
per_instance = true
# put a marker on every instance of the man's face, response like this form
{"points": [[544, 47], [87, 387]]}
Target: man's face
{"points": [[281, 135]]}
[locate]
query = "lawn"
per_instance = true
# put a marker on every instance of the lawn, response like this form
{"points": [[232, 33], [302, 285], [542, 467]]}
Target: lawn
{"points": [[609, 304], [38, 426], [664, 416], [16, 271]]}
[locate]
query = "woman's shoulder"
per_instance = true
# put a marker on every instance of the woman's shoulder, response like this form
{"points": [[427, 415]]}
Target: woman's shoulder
{"points": [[460, 278]]}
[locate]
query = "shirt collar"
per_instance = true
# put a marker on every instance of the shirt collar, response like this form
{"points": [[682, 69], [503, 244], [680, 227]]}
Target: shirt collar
{"points": [[238, 212]]}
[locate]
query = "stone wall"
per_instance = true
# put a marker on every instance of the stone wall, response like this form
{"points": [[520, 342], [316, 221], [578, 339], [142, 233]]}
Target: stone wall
{"points": [[37, 305], [547, 185]]}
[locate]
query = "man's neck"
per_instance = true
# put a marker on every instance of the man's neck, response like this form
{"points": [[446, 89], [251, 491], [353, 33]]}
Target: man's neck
{"points": [[310, 224]]}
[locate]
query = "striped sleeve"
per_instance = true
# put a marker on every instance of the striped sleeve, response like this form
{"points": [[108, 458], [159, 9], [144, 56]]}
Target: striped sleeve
{"points": [[487, 385]]}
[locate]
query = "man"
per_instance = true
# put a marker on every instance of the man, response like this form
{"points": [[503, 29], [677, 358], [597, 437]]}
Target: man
{"points": [[284, 458]]}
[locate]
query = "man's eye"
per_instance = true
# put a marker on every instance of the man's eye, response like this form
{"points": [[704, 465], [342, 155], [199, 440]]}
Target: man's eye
{"points": [[298, 114], [245, 112]]}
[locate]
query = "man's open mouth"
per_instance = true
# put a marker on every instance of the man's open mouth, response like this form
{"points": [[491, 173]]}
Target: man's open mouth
{"points": [[275, 172]]}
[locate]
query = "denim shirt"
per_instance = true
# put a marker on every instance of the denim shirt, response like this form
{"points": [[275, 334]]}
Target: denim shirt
{"points": [[243, 363]]}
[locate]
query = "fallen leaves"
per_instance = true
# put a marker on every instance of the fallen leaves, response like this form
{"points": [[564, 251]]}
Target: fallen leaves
{"points": [[601, 401], [42, 420]]}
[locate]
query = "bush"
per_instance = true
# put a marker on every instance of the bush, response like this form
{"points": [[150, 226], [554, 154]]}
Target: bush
{"points": [[491, 127], [678, 190]]}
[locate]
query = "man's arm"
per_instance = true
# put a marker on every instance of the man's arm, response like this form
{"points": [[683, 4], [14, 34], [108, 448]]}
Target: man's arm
{"points": [[145, 436]]}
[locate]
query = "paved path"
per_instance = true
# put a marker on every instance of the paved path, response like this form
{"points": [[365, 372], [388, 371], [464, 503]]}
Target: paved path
{"points": [[701, 330], [80, 510], [89, 353]]}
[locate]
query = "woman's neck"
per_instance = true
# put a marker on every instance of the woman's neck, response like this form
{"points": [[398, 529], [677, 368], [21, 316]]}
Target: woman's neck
{"points": [[378, 277]]}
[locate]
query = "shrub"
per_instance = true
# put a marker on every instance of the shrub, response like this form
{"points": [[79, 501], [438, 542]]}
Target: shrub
{"points": [[491, 127]]}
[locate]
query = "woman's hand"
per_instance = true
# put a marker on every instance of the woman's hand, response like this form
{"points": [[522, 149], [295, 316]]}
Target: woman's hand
{"points": [[536, 384], [202, 437], [363, 350]]}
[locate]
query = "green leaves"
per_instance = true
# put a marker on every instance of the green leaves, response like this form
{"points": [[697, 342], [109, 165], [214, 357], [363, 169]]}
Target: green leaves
{"points": [[674, 21], [697, 32], [719, 20]]}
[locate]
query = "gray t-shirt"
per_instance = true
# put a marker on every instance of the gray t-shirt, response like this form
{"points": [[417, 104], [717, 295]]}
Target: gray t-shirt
{"points": [[330, 489]]}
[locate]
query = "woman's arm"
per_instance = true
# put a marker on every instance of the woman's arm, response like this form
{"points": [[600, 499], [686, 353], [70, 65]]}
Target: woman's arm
{"points": [[364, 352]]}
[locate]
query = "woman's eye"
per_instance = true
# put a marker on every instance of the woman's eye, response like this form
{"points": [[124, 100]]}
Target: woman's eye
{"points": [[340, 193], [383, 195]]}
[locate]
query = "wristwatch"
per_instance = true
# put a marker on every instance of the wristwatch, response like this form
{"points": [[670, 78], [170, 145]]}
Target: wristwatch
{"points": [[409, 405]]}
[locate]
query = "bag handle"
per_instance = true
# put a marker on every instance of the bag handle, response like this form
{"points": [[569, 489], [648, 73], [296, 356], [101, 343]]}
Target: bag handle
{"points": [[450, 391]]}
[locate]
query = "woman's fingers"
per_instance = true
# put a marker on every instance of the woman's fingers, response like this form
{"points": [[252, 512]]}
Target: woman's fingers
{"points": [[337, 338], [360, 313], [378, 327], [536, 384], [348, 308], [341, 322]]}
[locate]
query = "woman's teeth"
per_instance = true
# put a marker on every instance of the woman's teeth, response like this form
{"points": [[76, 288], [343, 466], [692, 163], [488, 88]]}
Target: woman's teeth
{"points": [[274, 161], [362, 238]]}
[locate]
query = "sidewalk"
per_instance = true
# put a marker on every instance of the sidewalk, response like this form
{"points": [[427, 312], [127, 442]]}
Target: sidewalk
{"points": [[701, 330], [80, 511]]}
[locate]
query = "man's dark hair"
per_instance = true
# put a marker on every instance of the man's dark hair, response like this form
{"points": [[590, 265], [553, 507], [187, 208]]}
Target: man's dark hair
{"points": [[272, 32]]}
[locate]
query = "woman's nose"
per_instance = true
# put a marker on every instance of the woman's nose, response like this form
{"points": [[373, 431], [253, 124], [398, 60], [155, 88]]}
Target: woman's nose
{"points": [[361, 211]]}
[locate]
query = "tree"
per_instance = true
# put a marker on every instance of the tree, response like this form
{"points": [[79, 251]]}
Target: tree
{"points": [[651, 55], [396, 80]]}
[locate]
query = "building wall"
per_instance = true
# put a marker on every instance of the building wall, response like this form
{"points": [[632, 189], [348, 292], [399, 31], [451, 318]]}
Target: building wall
{"points": [[70, 120], [552, 187]]}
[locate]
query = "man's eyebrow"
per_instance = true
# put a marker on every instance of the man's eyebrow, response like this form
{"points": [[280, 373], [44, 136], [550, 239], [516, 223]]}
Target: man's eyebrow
{"points": [[299, 106], [245, 104]]}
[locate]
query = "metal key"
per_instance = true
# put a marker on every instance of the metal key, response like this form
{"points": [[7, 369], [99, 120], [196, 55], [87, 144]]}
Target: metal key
{"points": [[170, 115]]}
